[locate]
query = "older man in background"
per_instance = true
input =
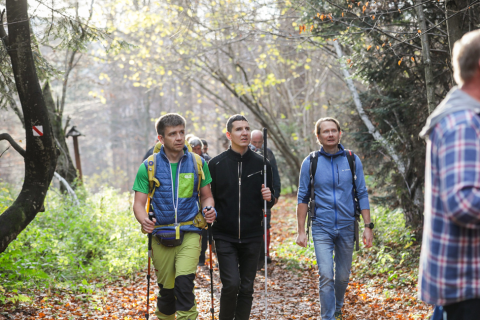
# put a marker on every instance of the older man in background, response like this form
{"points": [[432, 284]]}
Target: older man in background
{"points": [[197, 145], [450, 259], [205, 154], [257, 146]]}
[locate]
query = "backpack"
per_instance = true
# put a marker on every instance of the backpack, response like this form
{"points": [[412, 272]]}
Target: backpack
{"points": [[312, 205], [153, 183]]}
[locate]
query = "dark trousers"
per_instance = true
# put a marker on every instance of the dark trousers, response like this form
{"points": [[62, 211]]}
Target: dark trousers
{"points": [[201, 259], [463, 310], [238, 268]]}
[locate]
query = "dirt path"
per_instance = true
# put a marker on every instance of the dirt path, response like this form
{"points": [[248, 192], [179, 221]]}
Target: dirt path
{"points": [[293, 294]]}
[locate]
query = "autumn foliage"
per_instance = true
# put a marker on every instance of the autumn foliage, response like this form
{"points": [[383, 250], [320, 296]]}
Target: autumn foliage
{"points": [[292, 287]]}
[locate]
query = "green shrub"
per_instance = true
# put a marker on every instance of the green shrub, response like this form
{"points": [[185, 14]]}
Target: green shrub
{"points": [[67, 244], [395, 251]]}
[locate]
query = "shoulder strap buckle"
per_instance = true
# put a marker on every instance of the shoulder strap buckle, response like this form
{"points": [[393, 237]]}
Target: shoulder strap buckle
{"points": [[152, 181], [198, 166]]}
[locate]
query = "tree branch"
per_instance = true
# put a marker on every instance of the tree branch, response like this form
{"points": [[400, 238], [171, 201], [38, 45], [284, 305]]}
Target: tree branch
{"points": [[6, 136], [3, 34], [4, 151]]}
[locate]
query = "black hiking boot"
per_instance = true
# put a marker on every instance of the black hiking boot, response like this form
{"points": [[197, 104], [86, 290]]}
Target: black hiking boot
{"points": [[338, 316]]}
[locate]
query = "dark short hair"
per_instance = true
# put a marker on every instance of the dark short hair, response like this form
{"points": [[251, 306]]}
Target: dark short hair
{"points": [[319, 122], [205, 143], [232, 119], [169, 120]]}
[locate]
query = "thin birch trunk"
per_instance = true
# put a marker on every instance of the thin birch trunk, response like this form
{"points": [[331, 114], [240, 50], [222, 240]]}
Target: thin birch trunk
{"points": [[361, 112], [427, 61], [456, 26]]}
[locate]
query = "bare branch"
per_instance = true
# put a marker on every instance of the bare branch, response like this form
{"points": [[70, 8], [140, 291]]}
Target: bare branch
{"points": [[3, 34], [4, 151], [6, 136]]}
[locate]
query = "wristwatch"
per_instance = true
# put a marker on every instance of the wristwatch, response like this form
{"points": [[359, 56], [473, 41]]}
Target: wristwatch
{"points": [[369, 225]]}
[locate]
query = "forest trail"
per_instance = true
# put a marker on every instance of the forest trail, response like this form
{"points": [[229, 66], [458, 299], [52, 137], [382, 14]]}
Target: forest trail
{"points": [[293, 293]]}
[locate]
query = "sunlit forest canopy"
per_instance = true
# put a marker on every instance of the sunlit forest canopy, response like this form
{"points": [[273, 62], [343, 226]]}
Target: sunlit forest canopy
{"points": [[113, 67]]}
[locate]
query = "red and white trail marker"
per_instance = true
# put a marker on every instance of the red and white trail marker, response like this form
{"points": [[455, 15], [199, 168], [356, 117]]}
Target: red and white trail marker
{"points": [[37, 131]]}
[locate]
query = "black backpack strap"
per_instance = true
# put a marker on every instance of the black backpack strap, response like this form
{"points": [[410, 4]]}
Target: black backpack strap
{"points": [[351, 162], [311, 203], [313, 170]]}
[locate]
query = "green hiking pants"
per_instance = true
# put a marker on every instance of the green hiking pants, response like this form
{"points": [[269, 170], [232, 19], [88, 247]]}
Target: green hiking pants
{"points": [[175, 268]]}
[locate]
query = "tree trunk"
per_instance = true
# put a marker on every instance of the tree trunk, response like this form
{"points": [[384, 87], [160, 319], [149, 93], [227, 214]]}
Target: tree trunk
{"points": [[457, 25], [411, 198], [399, 163], [427, 60], [65, 165], [40, 155]]}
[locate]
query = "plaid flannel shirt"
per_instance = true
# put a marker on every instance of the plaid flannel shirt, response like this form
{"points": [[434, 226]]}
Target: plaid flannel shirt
{"points": [[450, 260]]}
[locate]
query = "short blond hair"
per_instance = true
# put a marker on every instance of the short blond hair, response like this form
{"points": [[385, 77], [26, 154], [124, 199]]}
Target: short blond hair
{"points": [[466, 57], [319, 122]]}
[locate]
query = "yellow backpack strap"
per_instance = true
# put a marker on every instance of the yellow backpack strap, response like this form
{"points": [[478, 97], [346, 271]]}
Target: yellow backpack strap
{"points": [[152, 181], [198, 169], [157, 148], [189, 147]]}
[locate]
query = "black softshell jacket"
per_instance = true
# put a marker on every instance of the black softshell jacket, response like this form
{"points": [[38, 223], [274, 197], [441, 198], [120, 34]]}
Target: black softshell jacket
{"points": [[236, 187]]}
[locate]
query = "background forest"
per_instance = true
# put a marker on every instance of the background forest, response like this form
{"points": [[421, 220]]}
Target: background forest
{"points": [[112, 67]]}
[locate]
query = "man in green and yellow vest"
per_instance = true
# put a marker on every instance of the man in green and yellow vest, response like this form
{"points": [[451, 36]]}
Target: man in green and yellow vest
{"points": [[181, 187]]}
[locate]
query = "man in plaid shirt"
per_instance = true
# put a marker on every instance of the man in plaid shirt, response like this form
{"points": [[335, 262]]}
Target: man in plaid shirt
{"points": [[450, 259]]}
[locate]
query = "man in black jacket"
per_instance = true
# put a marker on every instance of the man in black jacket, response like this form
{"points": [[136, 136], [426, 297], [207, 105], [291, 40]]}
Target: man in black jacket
{"points": [[239, 192]]}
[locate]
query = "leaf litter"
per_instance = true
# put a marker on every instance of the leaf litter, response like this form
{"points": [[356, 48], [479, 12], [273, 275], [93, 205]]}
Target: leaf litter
{"points": [[292, 291]]}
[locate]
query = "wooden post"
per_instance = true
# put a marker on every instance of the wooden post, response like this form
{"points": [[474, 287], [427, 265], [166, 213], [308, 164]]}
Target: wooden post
{"points": [[75, 134], [77, 157]]}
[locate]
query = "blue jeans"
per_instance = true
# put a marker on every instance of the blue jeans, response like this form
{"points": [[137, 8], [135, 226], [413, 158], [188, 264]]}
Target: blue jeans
{"points": [[332, 290]]}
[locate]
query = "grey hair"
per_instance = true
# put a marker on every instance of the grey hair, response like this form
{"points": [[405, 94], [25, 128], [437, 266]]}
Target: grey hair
{"points": [[466, 57], [195, 141], [256, 131]]}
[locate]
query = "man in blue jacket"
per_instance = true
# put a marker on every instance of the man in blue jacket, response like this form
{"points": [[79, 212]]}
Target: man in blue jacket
{"points": [[176, 229], [333, 226]]}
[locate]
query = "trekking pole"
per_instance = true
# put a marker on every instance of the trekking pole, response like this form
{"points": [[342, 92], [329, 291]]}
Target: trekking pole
{"points": [[210, 240], [150, 216], [265, 215]]}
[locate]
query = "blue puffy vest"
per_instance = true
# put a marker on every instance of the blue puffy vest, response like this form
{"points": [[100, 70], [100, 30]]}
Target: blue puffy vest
{"points": [[165, 200]]}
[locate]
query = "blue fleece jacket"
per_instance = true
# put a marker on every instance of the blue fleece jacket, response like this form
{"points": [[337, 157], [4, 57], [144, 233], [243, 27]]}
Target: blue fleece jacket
{"points": [[333, 188]]}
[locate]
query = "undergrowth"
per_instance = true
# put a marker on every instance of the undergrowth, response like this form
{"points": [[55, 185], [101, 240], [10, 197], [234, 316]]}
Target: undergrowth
{"points": [[395, 252], [68, 246]]}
